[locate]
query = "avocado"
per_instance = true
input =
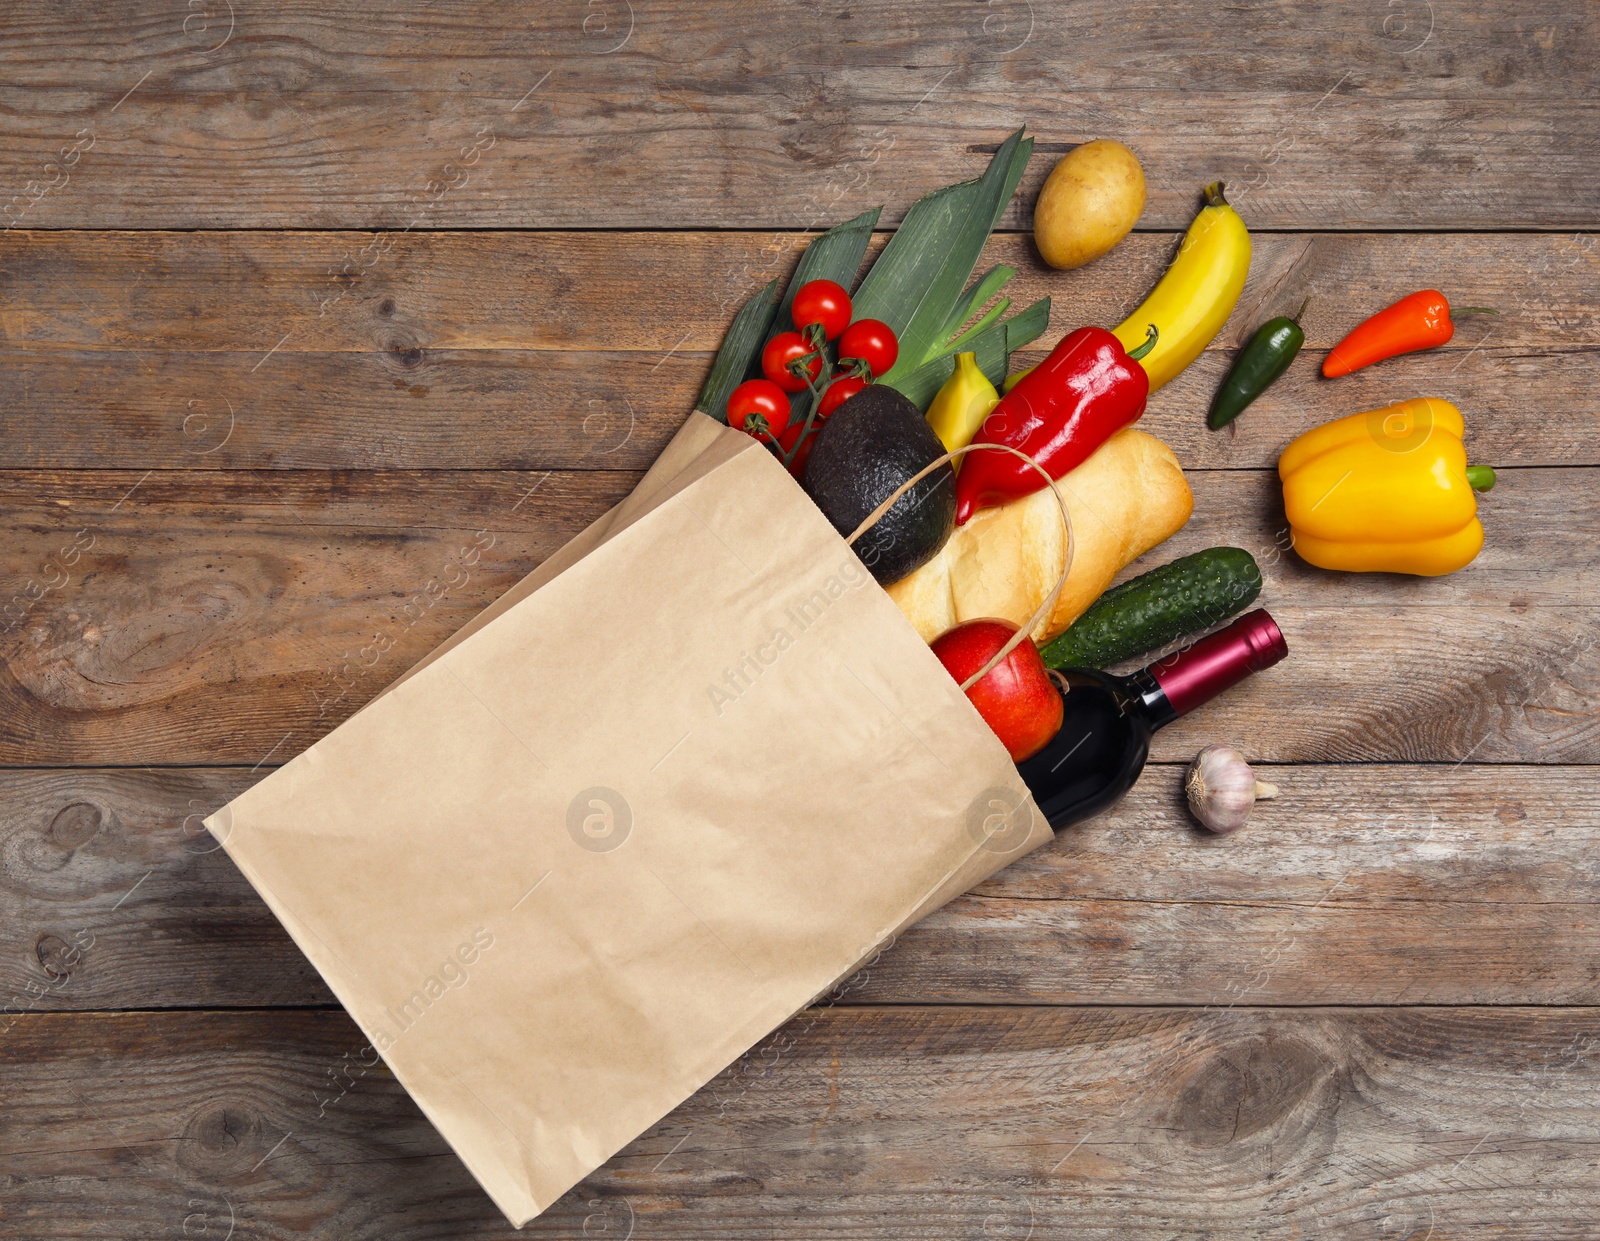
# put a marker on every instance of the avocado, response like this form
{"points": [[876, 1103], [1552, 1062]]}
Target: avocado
{"points": [[872, 444]]}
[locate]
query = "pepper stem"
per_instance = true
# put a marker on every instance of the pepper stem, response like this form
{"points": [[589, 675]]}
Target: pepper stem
{"points": [[1214, 196], [1150, 336], [1472, 310], [1301, 311], [1480, 477]]}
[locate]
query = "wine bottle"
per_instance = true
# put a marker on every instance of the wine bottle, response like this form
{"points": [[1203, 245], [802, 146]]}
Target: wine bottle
{"points": [[1107, 720]]}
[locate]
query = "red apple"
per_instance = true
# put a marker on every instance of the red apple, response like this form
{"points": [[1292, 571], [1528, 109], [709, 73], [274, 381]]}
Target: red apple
{"points": [[1016, 697]]}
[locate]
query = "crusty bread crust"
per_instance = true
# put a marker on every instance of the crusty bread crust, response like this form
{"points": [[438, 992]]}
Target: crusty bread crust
{"points": [[1126, 498]]}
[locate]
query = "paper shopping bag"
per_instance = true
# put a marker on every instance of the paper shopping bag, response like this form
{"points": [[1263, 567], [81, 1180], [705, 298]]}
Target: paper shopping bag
{"points": [[668, 790]]}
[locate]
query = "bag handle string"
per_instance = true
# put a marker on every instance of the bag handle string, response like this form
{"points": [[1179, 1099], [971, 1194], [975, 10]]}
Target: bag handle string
{"points": [[1025, 633]]}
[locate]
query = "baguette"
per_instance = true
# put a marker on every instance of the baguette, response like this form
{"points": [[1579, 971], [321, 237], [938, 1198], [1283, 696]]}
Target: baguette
{"points": [[1126, 498]]}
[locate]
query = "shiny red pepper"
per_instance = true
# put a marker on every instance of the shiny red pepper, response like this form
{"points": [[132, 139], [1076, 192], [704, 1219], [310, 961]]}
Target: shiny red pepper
{"points": [[1420, 321], [1066, 407]]}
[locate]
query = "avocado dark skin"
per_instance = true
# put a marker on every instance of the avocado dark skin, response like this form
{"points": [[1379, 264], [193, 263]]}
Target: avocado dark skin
{"points": [[873, 443]]}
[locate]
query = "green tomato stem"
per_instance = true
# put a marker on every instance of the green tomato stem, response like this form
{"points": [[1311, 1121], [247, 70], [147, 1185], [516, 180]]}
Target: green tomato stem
{"points": [[826, 375]]}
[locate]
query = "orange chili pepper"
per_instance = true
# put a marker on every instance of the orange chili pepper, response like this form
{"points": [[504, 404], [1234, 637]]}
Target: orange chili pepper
{"points": [[1420, 321]]}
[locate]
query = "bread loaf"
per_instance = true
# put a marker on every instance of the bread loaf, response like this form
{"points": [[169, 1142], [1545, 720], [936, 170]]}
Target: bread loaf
{"points": [[1122, 501]]}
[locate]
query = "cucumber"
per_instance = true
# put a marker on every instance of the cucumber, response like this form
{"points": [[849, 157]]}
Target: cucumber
{"points": [[1188, 595]]}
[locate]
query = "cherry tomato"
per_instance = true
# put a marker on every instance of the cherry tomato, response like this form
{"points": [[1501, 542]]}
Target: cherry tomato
{"points": [[760, 408], [871, 340], [782, 349], [786, 441], [839, 391], [824, 302]]}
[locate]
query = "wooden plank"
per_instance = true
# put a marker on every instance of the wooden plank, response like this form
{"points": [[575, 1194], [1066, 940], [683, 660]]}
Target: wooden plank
{"points": [[149, 586], [584, 350], [653, 292], [1364, 884], [421, 47], [443, 409], [854, 1123], [118, 897], [430, 116], [405, 409], [133, 600]]}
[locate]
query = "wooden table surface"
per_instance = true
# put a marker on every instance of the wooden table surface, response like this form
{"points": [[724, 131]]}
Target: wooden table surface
{"points": [[297, 298]]}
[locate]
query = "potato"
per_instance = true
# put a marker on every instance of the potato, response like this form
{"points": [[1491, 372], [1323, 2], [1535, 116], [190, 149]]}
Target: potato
{"points": [[1090, 201]]}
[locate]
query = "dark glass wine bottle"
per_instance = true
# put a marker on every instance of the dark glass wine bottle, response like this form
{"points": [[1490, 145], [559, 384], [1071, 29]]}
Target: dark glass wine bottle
{"points": [[1107, 720]]}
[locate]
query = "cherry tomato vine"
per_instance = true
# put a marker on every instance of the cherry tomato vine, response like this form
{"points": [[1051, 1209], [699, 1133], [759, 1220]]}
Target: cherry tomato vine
{"points": [[799, 361]]}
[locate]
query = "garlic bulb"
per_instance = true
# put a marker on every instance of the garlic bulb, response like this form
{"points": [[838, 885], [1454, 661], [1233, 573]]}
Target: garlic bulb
{"points": [[1222, 788]]}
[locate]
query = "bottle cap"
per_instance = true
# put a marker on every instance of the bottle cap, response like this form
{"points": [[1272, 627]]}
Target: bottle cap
{"points": [[1200, 672]]}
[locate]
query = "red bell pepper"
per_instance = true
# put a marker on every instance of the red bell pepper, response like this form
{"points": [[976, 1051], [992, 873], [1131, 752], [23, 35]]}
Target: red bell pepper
{"points": [[1065, 408]]}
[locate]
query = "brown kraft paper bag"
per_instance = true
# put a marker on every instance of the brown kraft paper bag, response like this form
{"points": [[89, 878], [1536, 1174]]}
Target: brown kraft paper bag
{"points": [[669, 789]]}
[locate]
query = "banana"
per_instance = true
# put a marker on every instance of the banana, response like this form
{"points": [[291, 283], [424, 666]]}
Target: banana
{"points": [[1198, 293]]}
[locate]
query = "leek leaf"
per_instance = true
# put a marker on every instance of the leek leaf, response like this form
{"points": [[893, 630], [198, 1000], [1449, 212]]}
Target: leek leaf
{"points": [[993, 346], [742, 343], [917, 282], [993, 280]]}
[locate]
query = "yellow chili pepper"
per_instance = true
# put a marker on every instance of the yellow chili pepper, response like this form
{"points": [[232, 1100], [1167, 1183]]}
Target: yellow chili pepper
{"points": [[1387, 491], [962, 404]]}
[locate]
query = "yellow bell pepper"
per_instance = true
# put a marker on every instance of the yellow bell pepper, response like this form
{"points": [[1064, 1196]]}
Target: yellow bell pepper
{"points": [[1387, 491]]}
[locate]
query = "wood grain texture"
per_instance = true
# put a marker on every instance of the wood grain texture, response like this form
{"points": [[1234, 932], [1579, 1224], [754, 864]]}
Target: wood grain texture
{"points": [[624, 114], [652, 292], [585, 350], [1365, 884], [849, 1123], [217, 617], [1540, 525], [1362, 885], [142, 594], [444, 409], [116, 896], [249, 477]]}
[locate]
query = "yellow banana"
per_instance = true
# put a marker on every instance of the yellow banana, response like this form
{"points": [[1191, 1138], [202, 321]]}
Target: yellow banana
{"points": [[1198, 293], [962, 404]]}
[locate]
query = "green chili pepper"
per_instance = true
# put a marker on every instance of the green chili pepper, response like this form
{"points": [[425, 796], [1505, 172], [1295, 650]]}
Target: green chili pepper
{"points": [[1257, 367]]}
